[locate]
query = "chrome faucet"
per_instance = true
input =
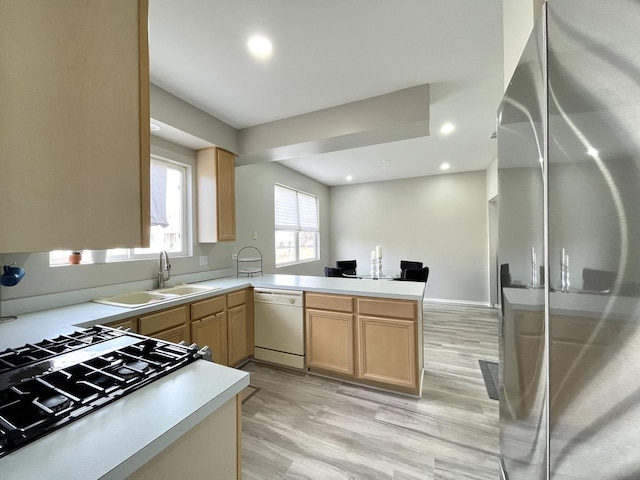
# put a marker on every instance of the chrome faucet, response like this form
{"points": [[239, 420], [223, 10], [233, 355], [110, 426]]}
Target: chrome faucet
{"points": [[165, 269]]}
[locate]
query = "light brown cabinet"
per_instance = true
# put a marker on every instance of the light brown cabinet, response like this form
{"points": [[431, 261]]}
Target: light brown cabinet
{"points": [[240, 337], [216, 195], [212, 332], [330, 341], [224, 324], [75, 122], [329, 333], [387, 350], [130, 323], [171, 325], [369, 340], [212, 449], [209, 326], [386, 339]]}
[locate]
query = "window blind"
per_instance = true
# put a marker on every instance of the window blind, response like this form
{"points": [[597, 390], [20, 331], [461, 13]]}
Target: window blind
{"points": [[295, 210], [308, 212], [286, 209]]}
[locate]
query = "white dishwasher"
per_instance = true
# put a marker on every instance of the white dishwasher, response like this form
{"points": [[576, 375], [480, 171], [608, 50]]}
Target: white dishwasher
{"points": [[279, 327]]}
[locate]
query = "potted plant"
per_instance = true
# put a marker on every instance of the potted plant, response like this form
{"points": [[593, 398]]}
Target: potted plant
{"points": [[75, 257]]}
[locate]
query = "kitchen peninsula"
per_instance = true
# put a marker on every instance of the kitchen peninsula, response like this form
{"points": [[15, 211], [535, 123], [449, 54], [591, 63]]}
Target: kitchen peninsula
{"points": [[135, 432]]}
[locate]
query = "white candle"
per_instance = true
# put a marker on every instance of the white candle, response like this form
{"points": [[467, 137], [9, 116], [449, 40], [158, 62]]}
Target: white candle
{"points": [[533, 255], [373, 254], [378, 251]]}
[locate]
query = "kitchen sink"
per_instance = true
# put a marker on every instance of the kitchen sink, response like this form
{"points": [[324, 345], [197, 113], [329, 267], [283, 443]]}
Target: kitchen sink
{"points": [[182, 290], [139, 299]]}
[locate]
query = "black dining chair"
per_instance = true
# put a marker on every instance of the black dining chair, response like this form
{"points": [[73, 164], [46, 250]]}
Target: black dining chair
{"points": [[414, 275], [405, 264], [332, 272], [348, 267]]}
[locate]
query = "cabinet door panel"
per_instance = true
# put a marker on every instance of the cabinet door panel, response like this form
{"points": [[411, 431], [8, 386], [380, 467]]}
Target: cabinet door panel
{"points": [[175, 335], [216, 195], [238, 335], [212, 332], [330, 341], [226, 196], [75, 123], [387, 350]]}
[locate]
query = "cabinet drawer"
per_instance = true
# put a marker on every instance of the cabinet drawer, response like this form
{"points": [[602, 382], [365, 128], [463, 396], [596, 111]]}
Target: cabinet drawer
{"points": [[387, 308], [236, 298], [338, 303], [131, 323], [208, 307], [163, 321]]}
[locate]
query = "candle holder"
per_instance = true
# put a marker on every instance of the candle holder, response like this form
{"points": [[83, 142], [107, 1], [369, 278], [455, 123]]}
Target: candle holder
{"points": [[379, 267], [374, 266]]}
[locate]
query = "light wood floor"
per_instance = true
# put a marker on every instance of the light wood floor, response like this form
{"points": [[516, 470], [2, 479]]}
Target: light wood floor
{"points": [[305, 427]]}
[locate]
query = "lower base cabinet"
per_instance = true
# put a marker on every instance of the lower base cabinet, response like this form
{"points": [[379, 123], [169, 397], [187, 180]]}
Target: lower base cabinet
{"points": [[237, 329], [225, 325], [211, 449], [171, 325], [330, 341], [369, 340], [212, 332], [387, 351], [239, 326]]}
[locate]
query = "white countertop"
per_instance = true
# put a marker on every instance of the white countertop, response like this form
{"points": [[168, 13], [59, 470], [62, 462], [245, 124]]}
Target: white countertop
{"points": [[118, 438], [343, 286], [32, 327]]}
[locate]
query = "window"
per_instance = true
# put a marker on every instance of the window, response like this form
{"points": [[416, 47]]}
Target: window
{"points": [[296, 226], [169, 213]]}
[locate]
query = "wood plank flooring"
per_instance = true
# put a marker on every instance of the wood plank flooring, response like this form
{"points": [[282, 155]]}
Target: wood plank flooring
{"points": [[301, 426]]}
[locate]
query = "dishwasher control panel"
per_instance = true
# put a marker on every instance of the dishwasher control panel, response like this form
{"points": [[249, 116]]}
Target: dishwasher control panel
{"points": [[280, 297]]}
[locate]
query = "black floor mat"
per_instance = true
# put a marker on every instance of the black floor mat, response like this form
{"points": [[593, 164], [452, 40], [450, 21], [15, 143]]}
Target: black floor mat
{"points": [[491, 380]]}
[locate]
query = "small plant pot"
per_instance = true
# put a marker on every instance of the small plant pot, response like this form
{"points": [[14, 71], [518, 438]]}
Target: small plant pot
{"points": [[75, 258]]}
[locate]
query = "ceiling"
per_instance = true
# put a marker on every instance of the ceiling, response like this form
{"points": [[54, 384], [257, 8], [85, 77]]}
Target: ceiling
{"points": [[331, 52]]}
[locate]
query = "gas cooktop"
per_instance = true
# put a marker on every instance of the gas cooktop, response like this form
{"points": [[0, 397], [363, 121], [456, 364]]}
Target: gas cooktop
{"points": [[48, 384]]}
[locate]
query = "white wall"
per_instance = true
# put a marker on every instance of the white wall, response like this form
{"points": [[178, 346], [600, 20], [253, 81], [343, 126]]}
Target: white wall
{"points": [[255, 213], [439, 220]]}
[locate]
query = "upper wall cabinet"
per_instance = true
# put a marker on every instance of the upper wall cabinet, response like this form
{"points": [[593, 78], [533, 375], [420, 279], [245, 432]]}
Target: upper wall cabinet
{"points": [[74, 125], [216, 195]]}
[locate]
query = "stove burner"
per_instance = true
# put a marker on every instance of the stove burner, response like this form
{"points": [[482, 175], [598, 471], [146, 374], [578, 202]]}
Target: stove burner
{"points": [[132, 369], [45, 385], [55, 403]]}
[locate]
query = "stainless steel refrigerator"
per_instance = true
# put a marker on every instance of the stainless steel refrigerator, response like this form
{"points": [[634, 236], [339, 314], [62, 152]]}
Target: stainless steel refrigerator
{"points": [[569, 247]]}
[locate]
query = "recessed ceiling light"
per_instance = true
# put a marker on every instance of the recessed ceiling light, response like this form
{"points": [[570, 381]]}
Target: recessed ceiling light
{"points": [[349, 178], [445, 166], [447, 128], [154, 127], [260, 47]]}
